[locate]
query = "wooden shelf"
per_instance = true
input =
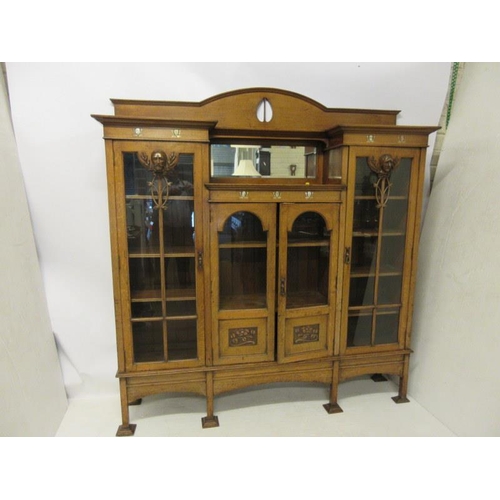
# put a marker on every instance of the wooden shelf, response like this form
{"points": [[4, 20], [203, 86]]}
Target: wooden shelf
{"points": [[179, 294], [363, 197], [372, 306], [169, 252], [375, 233], [244, 244], [305, 299], [308, 243], [161, 318], [146, 296], [250, 301], [365, 272], [148, 197], [379, 312]]}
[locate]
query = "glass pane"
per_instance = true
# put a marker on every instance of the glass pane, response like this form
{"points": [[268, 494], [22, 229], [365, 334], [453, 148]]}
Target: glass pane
{"points": [[390, 289], [178, 226], [182, 176], [242, 278], [309, 227], [335, 163], [142, 227], [363, 256], [181, 308], [308, 261], [395, 213], [242, 263], [148, 341], [366, 215], [361, 291], [257, 160], [145, 278], [359, 328], [181, 339], [400, 178], [365, 178], [137, 178], [179, 274], [242, 227], [392, 254], [146, 310], [387, 325]]}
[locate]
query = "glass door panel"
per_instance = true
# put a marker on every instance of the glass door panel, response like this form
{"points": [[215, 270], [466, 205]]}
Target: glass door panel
{"points": [[380, 214], [243, 270], [307, 273], [142, 227], [308, 261], [161, 243], [242, 262], [386, 326]]}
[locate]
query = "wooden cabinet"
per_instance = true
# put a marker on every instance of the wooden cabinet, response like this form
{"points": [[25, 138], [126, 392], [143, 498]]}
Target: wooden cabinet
{"points": [[260, 237]]}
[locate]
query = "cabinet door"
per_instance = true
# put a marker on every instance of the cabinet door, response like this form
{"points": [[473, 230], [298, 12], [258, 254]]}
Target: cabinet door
{"points": [[384, 184], [160, 261], [308, 249], [243, 260]]}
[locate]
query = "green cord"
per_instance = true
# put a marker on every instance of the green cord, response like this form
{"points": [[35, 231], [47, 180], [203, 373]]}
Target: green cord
{"points": [[454, 74]]}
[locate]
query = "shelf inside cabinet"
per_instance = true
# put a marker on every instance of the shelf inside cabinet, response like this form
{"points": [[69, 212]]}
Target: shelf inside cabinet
{"points": [[362, 272], [374, 233], [178, 294], [250, 301], [364, 310], [168, 252], [181, 294], [244, 244], [308, 243], [145, 296], [305, 299], [148, 197], [372, 197]]}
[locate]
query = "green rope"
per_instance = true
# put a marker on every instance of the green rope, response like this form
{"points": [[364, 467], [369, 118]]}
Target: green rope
{"points": [[454, 74]]}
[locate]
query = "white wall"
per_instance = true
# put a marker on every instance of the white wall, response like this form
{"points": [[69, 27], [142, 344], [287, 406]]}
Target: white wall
{"points": [[62, 156], [455, 371], [32, 396]]}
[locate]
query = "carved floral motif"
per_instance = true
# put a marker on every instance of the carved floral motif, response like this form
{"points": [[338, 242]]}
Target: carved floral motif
{"points": [[305, 333], [242, 336]]}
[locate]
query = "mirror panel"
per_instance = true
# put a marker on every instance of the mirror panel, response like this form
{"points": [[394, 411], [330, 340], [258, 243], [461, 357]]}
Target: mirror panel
{"points": [[263, 161]]}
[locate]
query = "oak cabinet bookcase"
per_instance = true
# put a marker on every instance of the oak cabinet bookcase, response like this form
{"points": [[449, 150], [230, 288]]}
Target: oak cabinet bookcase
{"points": [[260, 237]]}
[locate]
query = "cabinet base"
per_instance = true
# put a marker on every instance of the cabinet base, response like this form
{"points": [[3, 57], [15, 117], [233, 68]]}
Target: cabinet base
{"points": [[209, 422], [333, 408], [398, 399], [126, 430]]}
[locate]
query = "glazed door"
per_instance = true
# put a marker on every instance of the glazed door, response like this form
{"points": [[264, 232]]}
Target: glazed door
{"points": [[161, 259], [243, 259], [308, 250], [384, 189]]}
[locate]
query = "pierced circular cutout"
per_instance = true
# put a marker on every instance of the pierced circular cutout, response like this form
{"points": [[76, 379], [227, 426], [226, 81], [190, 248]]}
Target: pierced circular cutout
{"points": [[264, 111]]}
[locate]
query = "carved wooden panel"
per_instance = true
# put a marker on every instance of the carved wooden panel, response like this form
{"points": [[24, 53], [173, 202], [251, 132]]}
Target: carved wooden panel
{"points": [[242, 336], [306, 333]]}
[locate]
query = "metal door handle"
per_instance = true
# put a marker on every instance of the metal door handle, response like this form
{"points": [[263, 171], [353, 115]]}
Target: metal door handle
{"points": [[283, 287]]}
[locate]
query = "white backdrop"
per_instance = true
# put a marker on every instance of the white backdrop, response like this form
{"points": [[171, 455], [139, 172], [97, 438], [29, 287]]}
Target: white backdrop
{"points": [[62, 158]]}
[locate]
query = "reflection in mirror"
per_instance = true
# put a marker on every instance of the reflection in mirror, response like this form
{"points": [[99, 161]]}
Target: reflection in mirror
{"points": [[275, 161]]}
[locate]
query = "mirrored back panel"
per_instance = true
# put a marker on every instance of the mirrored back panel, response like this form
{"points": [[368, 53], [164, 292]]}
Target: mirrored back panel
{"points": [[263, 161]]}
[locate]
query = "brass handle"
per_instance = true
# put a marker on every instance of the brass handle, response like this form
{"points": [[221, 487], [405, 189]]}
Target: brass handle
{"points": [[282, 287]]}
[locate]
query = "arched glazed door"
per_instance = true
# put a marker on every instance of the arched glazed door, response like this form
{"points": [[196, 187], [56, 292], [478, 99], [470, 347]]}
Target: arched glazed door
{"points": [[243, 262], [308, 253]]}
